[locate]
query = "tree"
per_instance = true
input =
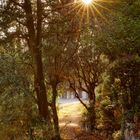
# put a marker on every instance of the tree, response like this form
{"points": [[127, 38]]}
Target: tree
{"points": [[59, 47], [119, 40], [24, 21], [85, 75]]}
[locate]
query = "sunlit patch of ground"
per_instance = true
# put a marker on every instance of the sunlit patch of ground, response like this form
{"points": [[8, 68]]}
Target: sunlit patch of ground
{"points": [[70, 109], [69, 118]]}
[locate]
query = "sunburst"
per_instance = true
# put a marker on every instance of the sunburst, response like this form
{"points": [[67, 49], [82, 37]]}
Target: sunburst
{"points": [[87, 2], [86, 10], [92, 8]]}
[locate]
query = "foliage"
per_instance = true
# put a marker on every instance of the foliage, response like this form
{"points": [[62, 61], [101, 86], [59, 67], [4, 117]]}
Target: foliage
{"points": [[117, 135], [42, 48], [17, 104]]}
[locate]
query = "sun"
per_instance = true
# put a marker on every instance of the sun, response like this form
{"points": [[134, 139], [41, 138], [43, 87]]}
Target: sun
{"points": [[87, 2], [87, 10]]}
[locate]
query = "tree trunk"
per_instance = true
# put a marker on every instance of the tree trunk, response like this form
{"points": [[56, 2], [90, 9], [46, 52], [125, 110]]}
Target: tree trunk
{"points": [[55, 116], [40, 86], [91, 111], [34, 43]]}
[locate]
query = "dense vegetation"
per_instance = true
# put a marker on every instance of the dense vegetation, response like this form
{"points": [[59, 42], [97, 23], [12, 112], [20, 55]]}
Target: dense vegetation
{"points": [[50, 46]]}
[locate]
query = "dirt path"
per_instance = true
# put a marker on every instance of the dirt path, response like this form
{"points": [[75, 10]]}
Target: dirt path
{"points": [[70, 117]]}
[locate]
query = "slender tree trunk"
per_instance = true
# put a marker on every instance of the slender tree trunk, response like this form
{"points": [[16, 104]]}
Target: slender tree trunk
{"points": [[40, 86], [34, 43], [91, 111], [55, 116]]}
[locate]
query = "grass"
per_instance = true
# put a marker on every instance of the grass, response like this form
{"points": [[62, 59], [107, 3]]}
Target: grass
{"points": [[70, 109]]}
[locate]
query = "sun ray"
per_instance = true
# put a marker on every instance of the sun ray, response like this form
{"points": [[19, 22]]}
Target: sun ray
{"points": [[83, 13], [93, 12], [79, 10], [99, 13], [108, 1], [94, 15], [95, 3], [76, 7], [87, 15]]}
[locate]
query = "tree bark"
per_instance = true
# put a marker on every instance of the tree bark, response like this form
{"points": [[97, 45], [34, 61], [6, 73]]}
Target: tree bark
{"points": [[55, 116], [91, 111], [34, 43]]}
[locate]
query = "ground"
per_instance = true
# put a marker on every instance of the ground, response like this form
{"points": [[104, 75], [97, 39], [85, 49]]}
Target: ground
{"points": [[70, 112]]}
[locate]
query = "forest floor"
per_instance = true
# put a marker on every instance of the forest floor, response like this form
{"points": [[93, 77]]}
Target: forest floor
{"points": [[70, 115]]}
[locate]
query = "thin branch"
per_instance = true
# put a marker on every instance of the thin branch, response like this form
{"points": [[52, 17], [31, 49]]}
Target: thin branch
{"points": [[77, 96]]}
